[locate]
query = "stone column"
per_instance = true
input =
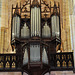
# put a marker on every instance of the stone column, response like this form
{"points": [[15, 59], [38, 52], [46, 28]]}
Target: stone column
{"points": [[65, 27], [0, 21], [72, 27], [73, 33], [4, 26]]}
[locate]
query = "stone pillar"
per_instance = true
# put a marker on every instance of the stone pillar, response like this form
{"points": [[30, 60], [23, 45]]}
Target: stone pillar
{"points": [[0, 20], [73, 33], [65, 28], [72, 27], [4, 26]]}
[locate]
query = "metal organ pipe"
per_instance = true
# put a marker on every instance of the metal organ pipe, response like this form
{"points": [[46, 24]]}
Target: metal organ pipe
{"points": [[57, 23], [39, 22], [32, 22], [18, 26], [15, 26], [13, 30], [24, 30], [46, 29], [35, 21], [53, 26]]}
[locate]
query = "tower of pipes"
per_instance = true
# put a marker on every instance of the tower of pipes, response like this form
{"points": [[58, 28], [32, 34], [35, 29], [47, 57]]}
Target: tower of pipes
{"points": [[16, 26], [35, 19]]}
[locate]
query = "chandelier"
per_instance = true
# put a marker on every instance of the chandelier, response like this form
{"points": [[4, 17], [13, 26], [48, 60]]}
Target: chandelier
{"points": [[35, 33]]}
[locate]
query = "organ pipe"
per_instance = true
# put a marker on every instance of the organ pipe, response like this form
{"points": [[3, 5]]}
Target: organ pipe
{"points": [[57, 22], [18, 26], [53, 26], [35, 21], [22, 35], [13, 29], [31, 22]]}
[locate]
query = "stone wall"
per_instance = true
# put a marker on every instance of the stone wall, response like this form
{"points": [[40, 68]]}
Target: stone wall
{"points": [[4, 25]]}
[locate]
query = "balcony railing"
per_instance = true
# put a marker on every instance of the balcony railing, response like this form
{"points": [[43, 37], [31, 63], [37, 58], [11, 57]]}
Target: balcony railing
{"points": [[61, 61], [58, 61], [10, 62]]}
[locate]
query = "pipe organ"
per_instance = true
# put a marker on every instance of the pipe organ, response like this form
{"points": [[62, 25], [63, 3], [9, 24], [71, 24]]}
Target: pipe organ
{"points": [[35, 36]]}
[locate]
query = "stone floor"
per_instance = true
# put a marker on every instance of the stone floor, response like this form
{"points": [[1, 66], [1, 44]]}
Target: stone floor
{"points": [[10, 73], [62, 73], [52, 73]]}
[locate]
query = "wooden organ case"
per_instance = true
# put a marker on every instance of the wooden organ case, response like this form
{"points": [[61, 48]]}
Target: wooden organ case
{"points": [[35, 33]]}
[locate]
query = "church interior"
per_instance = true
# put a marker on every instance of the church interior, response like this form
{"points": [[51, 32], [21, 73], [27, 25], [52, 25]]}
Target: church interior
{"points": [[37, 37]]}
